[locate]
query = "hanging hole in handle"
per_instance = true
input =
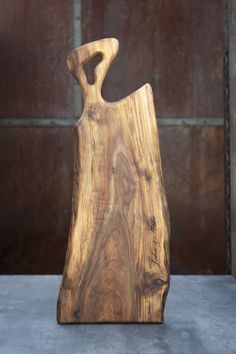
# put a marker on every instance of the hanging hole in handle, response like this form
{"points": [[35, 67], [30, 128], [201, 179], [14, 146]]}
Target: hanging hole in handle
{"points": [[90, 66]]}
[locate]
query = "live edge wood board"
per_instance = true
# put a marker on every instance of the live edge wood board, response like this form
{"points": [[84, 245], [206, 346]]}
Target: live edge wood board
{"points": [[117, 261]]}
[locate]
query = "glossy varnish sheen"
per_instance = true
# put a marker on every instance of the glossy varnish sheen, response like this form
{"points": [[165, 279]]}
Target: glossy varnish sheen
{"points": [[117, 267]]}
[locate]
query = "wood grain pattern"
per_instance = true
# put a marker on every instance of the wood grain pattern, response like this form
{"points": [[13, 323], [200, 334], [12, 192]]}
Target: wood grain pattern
{"points": [[117, 263]]}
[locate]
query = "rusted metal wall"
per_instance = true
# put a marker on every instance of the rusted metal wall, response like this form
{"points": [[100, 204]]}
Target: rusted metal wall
{"points": [[193, 164], [36, 187], [35, 37], [231, 120], [35, 163], [177, 46]]}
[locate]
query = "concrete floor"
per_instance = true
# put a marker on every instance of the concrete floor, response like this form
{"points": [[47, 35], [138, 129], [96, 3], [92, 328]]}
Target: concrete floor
{"points": [[200, 318]]}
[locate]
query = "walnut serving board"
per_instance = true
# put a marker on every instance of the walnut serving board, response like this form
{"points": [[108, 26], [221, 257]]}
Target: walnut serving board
{"points": [[117, 262]]}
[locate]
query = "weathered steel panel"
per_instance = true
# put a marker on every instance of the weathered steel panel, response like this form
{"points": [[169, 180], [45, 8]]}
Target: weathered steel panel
{"points": [[231, 129], [35, 39], [175, 45], [193, 165], [35, 198]]}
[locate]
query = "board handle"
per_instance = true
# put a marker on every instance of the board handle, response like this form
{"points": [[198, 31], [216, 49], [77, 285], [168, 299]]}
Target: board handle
{"points": [[108, 49]]}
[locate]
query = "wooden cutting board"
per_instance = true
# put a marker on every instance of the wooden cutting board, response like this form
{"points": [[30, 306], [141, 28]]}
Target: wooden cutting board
{"points": [[117, 262]]}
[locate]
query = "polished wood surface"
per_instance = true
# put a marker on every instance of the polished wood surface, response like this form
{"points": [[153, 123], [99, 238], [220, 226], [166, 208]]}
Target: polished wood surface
{"points": [[117, 263]]}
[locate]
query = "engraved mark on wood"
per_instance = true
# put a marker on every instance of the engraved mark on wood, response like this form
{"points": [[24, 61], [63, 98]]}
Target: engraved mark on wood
{"points": [[151, 224]]}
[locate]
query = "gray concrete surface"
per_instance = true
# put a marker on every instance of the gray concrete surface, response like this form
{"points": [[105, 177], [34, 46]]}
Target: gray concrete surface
{"points": [[200, 318]]}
